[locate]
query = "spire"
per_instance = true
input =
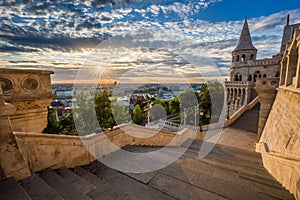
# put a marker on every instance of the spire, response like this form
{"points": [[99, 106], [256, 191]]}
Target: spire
{"points": [[288, 20], [245, 42]]}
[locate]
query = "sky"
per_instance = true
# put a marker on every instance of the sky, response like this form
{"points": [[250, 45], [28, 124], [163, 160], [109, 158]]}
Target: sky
{"points": [[137, 40]]}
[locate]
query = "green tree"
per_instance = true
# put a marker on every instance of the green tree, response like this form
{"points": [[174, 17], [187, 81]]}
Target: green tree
{"points": [[138, 115], [84, 114], [211, 99], [157, 112], [52, 126], [104, 110], [188, 98], [120, 113], [163, 103], [67, 125], [174, 106]]}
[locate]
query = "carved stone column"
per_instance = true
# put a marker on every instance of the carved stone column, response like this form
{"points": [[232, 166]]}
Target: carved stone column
{"points": [[12, 162], [30, 92], [266, 89]]}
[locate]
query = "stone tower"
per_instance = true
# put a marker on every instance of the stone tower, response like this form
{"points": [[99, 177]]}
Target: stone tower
{"points": [[243, 52]]}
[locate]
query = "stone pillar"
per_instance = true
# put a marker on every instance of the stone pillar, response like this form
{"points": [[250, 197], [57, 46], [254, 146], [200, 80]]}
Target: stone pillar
{"points": [[12, 162], [243, 97], [266, 89], [30, 92]]}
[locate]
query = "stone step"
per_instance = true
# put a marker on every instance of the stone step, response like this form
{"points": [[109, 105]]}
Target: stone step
{"points": [[234, 155], [104, 189], [38, 189], [232, 177], [236, 166], [238, 153], [181, 190], [214, 185], [128, 185], [11, 190], [248, 121], [64, 188], [79, 183]]}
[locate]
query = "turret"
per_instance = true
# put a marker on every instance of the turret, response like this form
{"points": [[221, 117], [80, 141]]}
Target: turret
{"points": [[244, 50]]}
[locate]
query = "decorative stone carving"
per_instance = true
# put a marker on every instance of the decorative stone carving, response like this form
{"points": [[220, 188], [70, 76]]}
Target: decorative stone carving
{"points": [[30, 92], [6, 84], [30, 83]]}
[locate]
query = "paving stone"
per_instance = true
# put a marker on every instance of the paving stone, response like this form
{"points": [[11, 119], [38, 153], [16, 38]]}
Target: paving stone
{"points": [[11, 190], [181, 190], [38, 189], [142, 177], [104, 188]]}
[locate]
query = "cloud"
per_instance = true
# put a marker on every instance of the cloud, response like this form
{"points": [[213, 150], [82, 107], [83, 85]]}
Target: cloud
{"points": [[62, 34]]}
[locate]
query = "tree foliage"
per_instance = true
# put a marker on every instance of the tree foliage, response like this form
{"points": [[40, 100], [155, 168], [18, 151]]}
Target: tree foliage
{"points": [[211, 99], [138, 115]]}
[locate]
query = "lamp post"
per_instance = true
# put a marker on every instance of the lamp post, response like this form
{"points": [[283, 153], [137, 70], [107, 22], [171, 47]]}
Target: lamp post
{"points": [[196, 113], [184, 116], [201, 117]]}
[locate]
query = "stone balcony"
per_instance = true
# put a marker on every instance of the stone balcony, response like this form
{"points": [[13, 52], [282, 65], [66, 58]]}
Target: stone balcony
{"points": [[239, 83]]}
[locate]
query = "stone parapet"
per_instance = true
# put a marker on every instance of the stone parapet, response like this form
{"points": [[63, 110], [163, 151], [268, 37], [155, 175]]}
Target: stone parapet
{"points": [[43, 151]]}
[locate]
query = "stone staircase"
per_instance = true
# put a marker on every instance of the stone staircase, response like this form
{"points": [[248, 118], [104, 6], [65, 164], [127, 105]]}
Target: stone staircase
{"points": [[248, 121], [225, 173]]}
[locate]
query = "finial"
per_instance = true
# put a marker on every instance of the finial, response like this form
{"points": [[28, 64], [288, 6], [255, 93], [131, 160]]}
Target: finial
{"points": [[288, 20], [245, 18]]}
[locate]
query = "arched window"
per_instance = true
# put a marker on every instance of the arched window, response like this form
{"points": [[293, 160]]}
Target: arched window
{"points": [[249, 78], [256, 75], [237, 58], [236, 77], [243, 58], [252, 57], [264, 76], [277, 74], [240, 78]]}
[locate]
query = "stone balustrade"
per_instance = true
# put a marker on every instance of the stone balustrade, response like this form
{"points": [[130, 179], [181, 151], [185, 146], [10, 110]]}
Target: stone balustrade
{"points": [[267, 61], [43, 151], [238, 83]]}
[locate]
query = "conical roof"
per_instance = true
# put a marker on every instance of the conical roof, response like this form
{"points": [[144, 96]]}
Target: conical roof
{"points": [[245, 42]]}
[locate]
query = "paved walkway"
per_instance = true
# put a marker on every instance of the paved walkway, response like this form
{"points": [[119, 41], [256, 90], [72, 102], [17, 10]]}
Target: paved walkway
{"points": [[238, 139]]}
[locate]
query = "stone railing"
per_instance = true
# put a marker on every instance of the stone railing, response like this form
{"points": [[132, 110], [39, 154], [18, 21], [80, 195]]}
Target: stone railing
{"points": [[43, 151], [264, 62], [240, 111], [238, 83]]}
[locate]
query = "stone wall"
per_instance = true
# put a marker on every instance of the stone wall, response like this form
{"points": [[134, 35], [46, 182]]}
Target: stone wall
{"points": [[43, 151], [280, 140]]}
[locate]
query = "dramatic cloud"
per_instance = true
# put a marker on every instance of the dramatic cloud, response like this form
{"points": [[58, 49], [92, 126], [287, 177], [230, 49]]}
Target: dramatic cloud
{"points": [[131, 35]]}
